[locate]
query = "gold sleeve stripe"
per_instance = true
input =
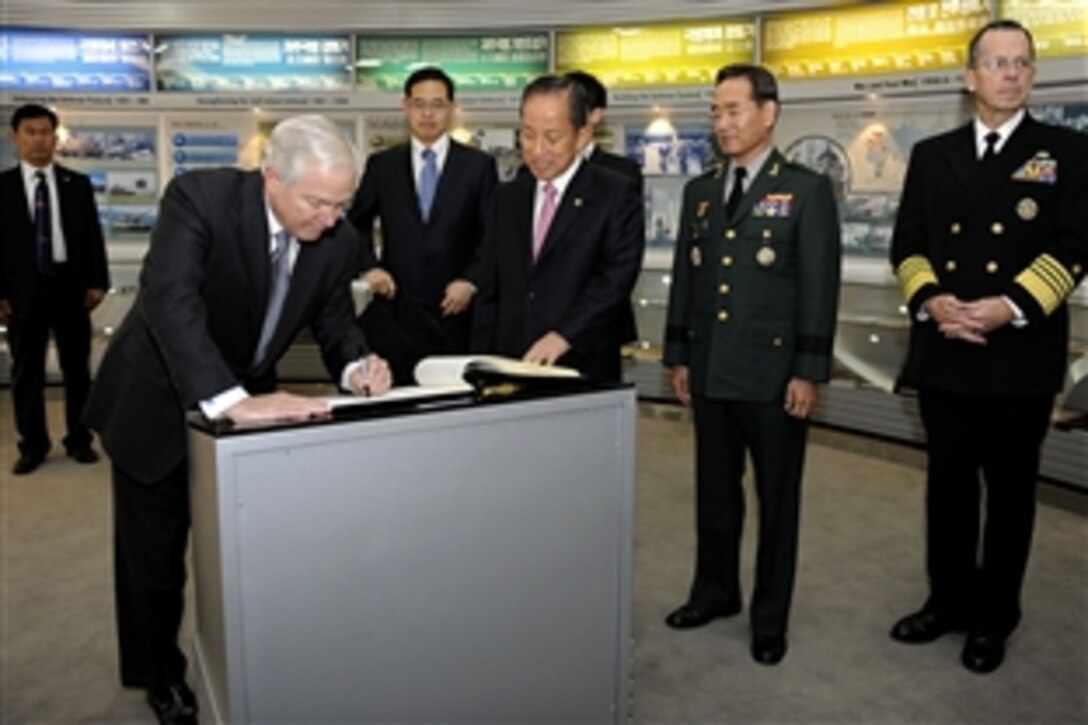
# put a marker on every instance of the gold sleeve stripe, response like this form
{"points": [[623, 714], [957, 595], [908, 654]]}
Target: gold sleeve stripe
{"points": [[914, 273], [1048, 281]]}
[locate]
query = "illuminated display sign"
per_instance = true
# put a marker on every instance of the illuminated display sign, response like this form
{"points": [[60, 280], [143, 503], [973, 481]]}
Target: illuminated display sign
{"points": [[231, 63], [655, 55], [492, 62], [35, 61], [879, 39]]}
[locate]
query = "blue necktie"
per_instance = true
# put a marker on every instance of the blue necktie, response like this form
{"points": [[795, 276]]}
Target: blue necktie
{"points": [[277, 292], [43, 225], [428, 183]]}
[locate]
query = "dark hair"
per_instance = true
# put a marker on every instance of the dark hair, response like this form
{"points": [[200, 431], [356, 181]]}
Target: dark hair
{"points": [[430, 73], [596, 95], [29, 111], [764, 86], [556, 85], [976, 39]]}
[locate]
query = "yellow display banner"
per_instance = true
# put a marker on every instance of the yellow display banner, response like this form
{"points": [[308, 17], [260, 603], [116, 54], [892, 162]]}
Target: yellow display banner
{"points": [[1059, 27], [880, 39], [640, 56]]}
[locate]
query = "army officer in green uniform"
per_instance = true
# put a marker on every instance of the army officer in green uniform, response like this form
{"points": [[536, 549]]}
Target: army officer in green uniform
{"points": [[750, 325]]}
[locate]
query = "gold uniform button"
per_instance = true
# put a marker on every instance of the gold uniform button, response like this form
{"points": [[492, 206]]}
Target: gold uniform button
{"points": [[723, 316], [997, 228], [777, 342], [766, 233], [991, 267], [727, 261], [723, 288], [956, 228], [730, 234], [1075, 269], [950, 265]]}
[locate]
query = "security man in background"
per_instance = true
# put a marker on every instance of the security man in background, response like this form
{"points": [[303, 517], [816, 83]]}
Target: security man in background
{"points": [[990, 241], [53, 273], [749, 333]]}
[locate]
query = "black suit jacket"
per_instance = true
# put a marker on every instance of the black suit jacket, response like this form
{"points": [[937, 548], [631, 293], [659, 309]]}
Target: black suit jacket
{"points": [[620, 164], [581, 284], [194, 326], [424, 257], [86, 249], [1016, 226]]}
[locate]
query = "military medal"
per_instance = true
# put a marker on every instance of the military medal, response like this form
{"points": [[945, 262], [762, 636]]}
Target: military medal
{"points": [[774, 205], [766, 256], [1040, 169], [696, 257], [1027, 208]]}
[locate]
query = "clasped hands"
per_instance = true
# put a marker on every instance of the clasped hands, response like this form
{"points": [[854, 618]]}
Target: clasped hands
{"points": [[968, 321], [457, 298]]}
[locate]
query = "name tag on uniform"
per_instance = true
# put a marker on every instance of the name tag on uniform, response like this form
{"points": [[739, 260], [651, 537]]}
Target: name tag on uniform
{"points": [[1041, 169], [774, 205]]}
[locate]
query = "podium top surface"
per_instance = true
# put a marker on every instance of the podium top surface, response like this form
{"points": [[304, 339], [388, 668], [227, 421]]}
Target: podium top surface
{"points": [[485, 396]]}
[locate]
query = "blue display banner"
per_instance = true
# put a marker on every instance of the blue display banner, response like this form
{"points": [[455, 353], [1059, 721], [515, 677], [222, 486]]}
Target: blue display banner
{"points": [[231, 63], [38, 60]]}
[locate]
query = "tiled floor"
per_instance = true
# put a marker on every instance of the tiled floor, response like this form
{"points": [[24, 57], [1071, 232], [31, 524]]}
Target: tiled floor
{"points": [[861, 567]]}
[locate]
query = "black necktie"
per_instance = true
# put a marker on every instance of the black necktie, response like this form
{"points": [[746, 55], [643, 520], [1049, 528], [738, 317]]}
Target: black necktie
{"points": [[991, 146], [736, 193], [43, 225]]}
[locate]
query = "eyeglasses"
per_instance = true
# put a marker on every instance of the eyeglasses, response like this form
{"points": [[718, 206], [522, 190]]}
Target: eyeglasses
{"points": [[321, 205], [1000, 64], [436, 106]]}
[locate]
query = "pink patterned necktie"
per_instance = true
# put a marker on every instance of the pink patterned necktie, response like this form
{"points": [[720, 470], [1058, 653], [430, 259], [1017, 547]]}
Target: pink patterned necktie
{"points": [[547, 213]]}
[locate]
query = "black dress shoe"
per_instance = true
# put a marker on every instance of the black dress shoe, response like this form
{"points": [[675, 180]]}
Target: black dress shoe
{"points": [[983, 652], [83, 454], [923, 626], [691, 615], [768, 650], [174, 705], [26, 464]]}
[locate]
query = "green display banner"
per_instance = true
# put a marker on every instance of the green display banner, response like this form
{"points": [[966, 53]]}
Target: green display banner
{"points": [[1059, 27], [879, 39], [641, 56], [492, 62]]}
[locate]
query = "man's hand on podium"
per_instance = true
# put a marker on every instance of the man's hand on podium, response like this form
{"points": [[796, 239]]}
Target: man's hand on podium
{"points": [[275, 407]]}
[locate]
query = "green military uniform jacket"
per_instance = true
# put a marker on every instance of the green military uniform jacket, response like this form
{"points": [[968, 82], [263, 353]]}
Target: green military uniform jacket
{"points": [[753, 300]]}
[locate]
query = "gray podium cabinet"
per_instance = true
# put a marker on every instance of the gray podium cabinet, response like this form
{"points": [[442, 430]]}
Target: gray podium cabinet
{"points": [[470, 562]]}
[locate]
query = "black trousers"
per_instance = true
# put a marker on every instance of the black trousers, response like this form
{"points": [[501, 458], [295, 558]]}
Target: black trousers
{"points": [[725, 432], [151, 532], [58, 305], [999, 437]]}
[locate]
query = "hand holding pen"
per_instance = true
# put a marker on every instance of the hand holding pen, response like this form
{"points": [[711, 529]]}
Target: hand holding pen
{"points": [[371, 377]]}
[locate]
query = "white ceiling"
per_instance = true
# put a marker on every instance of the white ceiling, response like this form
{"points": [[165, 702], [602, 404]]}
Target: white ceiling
{"points": [[350, 15]]}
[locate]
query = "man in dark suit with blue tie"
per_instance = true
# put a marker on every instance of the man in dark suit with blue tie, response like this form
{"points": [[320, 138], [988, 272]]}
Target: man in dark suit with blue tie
{"points": [[432, 197], [563, 246], [239, 262], [52, 274]]}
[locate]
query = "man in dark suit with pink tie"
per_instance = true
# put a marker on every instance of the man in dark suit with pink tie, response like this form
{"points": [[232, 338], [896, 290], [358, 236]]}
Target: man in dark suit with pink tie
{"points": [[563, 246]]}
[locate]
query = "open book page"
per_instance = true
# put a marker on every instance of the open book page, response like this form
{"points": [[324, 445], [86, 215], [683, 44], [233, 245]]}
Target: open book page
{"points": [[406, 392], [444, 375], [445, 369]]}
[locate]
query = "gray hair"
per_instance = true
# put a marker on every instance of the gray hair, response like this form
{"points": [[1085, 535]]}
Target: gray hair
{"points": [[310, 140]]}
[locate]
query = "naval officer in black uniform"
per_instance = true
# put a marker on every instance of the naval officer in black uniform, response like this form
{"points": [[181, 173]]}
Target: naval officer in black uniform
{"points": [[990, 241], [750, 324]]}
